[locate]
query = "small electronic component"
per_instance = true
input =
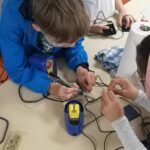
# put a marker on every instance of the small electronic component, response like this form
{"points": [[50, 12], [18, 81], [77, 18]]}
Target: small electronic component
{"points": [[130, 112], [124, 29], [14, 141], [110, 31], [144, 27]]}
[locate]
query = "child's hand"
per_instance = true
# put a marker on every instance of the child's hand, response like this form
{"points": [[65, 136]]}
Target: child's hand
{"points": [[85, 78], [111, 106], [63, 92], [98, 28], [126, 89], [125, 19]]}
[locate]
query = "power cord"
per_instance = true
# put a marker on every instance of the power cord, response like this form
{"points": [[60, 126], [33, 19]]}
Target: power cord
{"points": [[38, 100], [98, 20], [95, 119], [5, 130], [145, 127], [25, 100], [2, 80]]}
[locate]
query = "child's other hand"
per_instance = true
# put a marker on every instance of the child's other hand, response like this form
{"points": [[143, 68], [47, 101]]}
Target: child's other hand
{"points": [[98, 28], [111, 106], [126, 89], [85, 78], [63, 92], [125, 19]]}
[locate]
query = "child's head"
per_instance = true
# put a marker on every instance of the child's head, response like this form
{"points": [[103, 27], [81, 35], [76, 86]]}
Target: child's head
{"points": [[61, 20], [143, 52]]}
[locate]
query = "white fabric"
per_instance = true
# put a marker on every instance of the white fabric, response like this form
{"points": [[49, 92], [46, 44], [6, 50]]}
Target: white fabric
{"points": [[127, 64], [124, 130], [127, 136], [143, 100], [94, 6]]}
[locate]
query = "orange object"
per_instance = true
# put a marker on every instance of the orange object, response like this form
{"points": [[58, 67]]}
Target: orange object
{"points": [[3, 74], [125, 1]]}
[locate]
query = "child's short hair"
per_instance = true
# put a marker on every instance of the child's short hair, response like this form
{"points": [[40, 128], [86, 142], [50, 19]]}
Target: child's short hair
{"points": [[143, 52], [63, 19]]}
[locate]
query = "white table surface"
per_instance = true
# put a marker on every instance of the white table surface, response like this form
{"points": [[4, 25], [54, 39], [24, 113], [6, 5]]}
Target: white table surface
{"points": [[43, 122]]}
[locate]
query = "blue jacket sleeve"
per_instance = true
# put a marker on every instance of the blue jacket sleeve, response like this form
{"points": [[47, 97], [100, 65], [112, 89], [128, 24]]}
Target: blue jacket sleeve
{"points": [[76, 55], [15, 60]]}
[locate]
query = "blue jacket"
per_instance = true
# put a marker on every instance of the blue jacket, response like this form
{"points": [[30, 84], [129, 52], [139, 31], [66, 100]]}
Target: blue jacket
{"points": [[17, 41]]}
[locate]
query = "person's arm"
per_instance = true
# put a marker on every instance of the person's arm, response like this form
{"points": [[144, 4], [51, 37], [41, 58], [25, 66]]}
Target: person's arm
{"points": [[124, 17], [15, 60], [126, 135], [128, 90], [77, 60], [76, 55], [143, 100], [120, 7], [14, 57], [113, 111]]}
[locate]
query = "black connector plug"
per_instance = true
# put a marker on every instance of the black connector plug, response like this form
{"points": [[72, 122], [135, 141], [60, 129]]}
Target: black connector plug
{"points": [[110, 31], [124, 29]]}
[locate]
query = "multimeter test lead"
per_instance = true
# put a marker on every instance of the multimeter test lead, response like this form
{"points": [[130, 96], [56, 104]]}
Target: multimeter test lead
{"points": [[79, 91]]}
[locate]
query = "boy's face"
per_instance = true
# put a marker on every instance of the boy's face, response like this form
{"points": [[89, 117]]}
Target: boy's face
{"points": [[52, 40]]}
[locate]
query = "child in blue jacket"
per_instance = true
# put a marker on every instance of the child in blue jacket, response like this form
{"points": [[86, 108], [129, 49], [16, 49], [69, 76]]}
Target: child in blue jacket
{"points": [[46, 27]]}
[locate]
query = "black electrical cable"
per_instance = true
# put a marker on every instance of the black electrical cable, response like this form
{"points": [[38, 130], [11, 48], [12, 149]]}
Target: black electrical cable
{"points": [[109, 132], [1, 118], [107, 137], [96, 19], [101, 84], [96, 119], [145, 127], [6, 129], [107, 21], [40, 99], [88, 137], [57, 100], [27, 101]]}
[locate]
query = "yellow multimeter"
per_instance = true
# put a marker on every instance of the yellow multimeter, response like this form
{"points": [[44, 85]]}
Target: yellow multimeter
{"points": [[74, 111]]}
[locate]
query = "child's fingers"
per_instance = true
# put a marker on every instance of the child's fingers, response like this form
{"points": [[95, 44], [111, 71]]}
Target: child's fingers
{"points": [[127, 21], [119, 91], [105, 27], [93, 77], [114, 82], [105, 97], [98, 28], [111, 96], [75, 85], [70, 90], [120, 22], [71, 95], [88, 83]]}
